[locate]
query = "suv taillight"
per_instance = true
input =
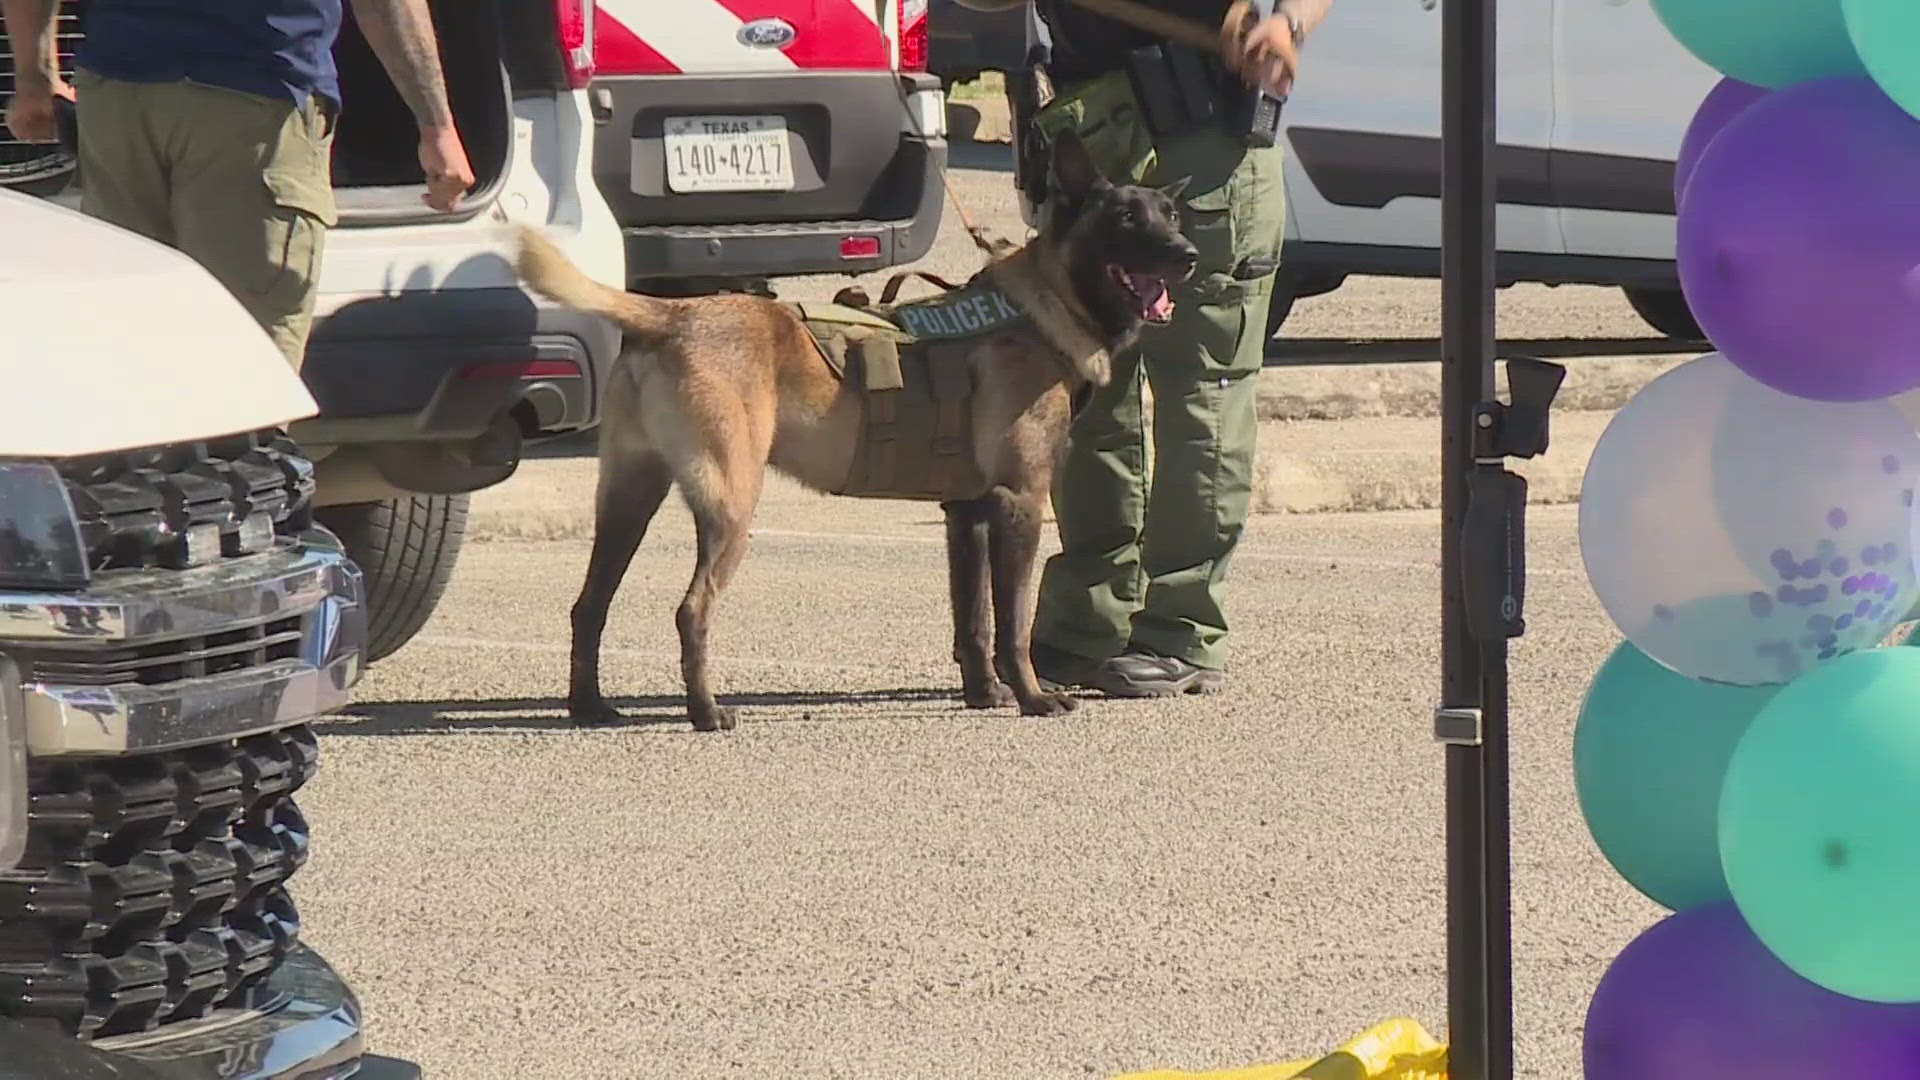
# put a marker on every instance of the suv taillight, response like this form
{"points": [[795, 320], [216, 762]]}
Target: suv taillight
{"points": [[913, 35], [575, 21]]}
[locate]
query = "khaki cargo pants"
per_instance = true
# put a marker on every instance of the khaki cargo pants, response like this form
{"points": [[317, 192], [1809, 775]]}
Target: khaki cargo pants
{"points": [[1144, 557], [239, 182]]}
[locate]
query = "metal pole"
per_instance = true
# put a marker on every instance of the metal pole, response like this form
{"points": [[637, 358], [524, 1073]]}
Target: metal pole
{"points": [[1472, 719]]}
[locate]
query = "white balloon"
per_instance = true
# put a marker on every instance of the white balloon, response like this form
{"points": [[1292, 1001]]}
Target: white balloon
{"points": [[1741, 535]]}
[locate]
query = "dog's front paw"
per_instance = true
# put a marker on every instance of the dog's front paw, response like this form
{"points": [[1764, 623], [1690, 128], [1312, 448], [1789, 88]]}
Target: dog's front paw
{"points": [[595, 713], [716, 718], [993, 696], [1057, 703]]}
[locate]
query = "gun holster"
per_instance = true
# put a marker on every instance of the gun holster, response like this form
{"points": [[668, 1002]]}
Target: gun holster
{"points": [[1180, 87], [1030, 152]]}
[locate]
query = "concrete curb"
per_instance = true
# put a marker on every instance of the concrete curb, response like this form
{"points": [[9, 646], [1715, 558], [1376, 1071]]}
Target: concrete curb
{"points": [[983, 119], [1334, 438], [1300, 467], [1359, 391], [1339, 438], [1348, 466]]}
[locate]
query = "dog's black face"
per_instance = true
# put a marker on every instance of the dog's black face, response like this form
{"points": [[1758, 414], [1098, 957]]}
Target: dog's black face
{"points": [[1121, 243]]}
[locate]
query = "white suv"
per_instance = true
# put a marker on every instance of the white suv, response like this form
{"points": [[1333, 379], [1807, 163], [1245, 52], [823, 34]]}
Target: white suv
{"points": [[1594, 97], [431, 365]]}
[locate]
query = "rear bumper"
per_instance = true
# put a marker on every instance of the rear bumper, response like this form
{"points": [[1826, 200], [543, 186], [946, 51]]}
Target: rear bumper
{"points": [[781, 249], [442, 366], [869, 152]]}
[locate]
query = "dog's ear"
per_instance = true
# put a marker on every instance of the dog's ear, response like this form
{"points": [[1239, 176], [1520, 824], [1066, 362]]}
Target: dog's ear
{"points": [[1176, 189], [1073, 166]]}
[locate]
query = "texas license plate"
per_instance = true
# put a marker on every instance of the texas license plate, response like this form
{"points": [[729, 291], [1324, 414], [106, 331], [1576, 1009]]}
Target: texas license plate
{"points": [[728, 153]]}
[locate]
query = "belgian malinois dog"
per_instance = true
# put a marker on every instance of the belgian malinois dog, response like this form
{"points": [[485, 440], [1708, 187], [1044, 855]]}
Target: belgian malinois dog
{"points": [[709, 391]]}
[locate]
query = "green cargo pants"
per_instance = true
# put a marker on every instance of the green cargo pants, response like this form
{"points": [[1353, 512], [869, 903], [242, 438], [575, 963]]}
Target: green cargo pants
{"points": [[1144, 557], [239, 182]]}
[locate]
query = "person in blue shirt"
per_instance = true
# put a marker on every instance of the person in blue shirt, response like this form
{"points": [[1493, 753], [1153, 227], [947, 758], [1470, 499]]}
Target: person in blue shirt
{"points": [[208, 125]]}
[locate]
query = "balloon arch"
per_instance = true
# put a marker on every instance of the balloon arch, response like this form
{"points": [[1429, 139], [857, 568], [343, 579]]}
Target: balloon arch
{"points": [[1749, 756]]}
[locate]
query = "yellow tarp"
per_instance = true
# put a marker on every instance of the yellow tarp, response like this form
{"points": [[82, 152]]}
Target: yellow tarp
{"points": [[1396, 1050]]}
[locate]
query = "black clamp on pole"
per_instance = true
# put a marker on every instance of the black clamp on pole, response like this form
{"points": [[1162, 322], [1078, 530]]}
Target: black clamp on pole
{"points": [[1494, 532], [1495, 545]]}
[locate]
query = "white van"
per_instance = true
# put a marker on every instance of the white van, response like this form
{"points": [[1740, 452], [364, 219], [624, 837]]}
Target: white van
{"points": [[1594, 97], [742, 141]]}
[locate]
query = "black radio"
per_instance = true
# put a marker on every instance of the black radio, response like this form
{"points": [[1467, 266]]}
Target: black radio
{"points": [[1254, 112]]}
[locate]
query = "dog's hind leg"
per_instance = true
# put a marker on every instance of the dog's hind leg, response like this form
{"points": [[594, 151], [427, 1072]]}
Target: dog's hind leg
{"points": [[631, 492], [722, 501], [968, 577], [1014, 541]]}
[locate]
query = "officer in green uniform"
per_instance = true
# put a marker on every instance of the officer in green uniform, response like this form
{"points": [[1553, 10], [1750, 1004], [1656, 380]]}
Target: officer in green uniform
{"points": [[1135, 603]]}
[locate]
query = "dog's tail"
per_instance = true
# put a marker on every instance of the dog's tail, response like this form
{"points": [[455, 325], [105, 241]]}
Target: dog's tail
{"points": [[548, 270]]}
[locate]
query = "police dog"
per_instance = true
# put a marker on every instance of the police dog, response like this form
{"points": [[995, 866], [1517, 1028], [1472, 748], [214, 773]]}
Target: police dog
{"points": [[709, 391]]}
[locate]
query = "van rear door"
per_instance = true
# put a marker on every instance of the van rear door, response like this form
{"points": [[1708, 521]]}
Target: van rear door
{"points": [[759, 138], [737, 37]]}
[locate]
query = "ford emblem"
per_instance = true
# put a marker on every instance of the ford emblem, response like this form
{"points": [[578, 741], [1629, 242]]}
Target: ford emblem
{"points": [[769, 33]]}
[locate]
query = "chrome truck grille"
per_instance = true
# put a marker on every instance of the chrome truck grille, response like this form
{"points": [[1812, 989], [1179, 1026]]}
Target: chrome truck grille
{"points": [[164, 709], [154, 887], [156, 663], [21, 162], [171, 506]]}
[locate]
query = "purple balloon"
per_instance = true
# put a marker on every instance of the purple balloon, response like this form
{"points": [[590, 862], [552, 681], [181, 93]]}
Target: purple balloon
{"points": [[1799, 242], [1698, 997], [1724, 102]]}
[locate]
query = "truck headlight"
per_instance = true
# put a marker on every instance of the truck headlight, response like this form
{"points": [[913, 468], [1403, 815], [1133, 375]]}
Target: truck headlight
{"points": [[13, 766], [40, 546]]}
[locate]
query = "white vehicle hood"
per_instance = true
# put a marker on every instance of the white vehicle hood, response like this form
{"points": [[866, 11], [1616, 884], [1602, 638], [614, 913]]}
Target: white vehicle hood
{"points": [[110, 341]]}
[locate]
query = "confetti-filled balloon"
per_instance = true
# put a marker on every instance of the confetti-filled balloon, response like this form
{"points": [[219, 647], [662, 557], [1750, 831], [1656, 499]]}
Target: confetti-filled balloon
{"points": [[1742, 535]]}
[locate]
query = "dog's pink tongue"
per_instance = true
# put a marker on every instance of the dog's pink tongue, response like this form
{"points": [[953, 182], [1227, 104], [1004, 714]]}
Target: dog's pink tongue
{"points": [[1151, 293], [1161, 306]]}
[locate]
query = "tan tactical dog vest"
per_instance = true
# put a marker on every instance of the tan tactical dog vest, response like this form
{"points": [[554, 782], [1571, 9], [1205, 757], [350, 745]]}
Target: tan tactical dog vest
{"points": [[910, 361]]}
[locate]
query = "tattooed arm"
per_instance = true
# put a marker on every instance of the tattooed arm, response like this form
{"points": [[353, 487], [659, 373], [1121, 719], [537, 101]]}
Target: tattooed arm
{"points": [[30, 27], [400, 33]]}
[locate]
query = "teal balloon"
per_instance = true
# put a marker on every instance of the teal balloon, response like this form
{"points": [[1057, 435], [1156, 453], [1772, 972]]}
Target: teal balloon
{"points": [[1820, 825], [1886, 37], [1649, 752], [1770, 43]]}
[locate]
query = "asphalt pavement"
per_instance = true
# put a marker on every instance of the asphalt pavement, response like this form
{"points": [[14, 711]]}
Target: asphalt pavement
{"points": [[867, 880]]}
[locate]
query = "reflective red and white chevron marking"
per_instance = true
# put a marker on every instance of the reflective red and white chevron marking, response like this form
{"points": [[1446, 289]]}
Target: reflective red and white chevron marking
{"points": [[662, 37]]}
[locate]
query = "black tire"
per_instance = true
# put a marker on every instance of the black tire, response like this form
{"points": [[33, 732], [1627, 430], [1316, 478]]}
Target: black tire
{"points": [[407, 549], [1666, 310]]}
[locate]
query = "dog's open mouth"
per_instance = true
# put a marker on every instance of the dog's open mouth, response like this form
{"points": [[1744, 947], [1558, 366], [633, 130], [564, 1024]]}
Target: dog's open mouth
{"points": [[1149, 291]]}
